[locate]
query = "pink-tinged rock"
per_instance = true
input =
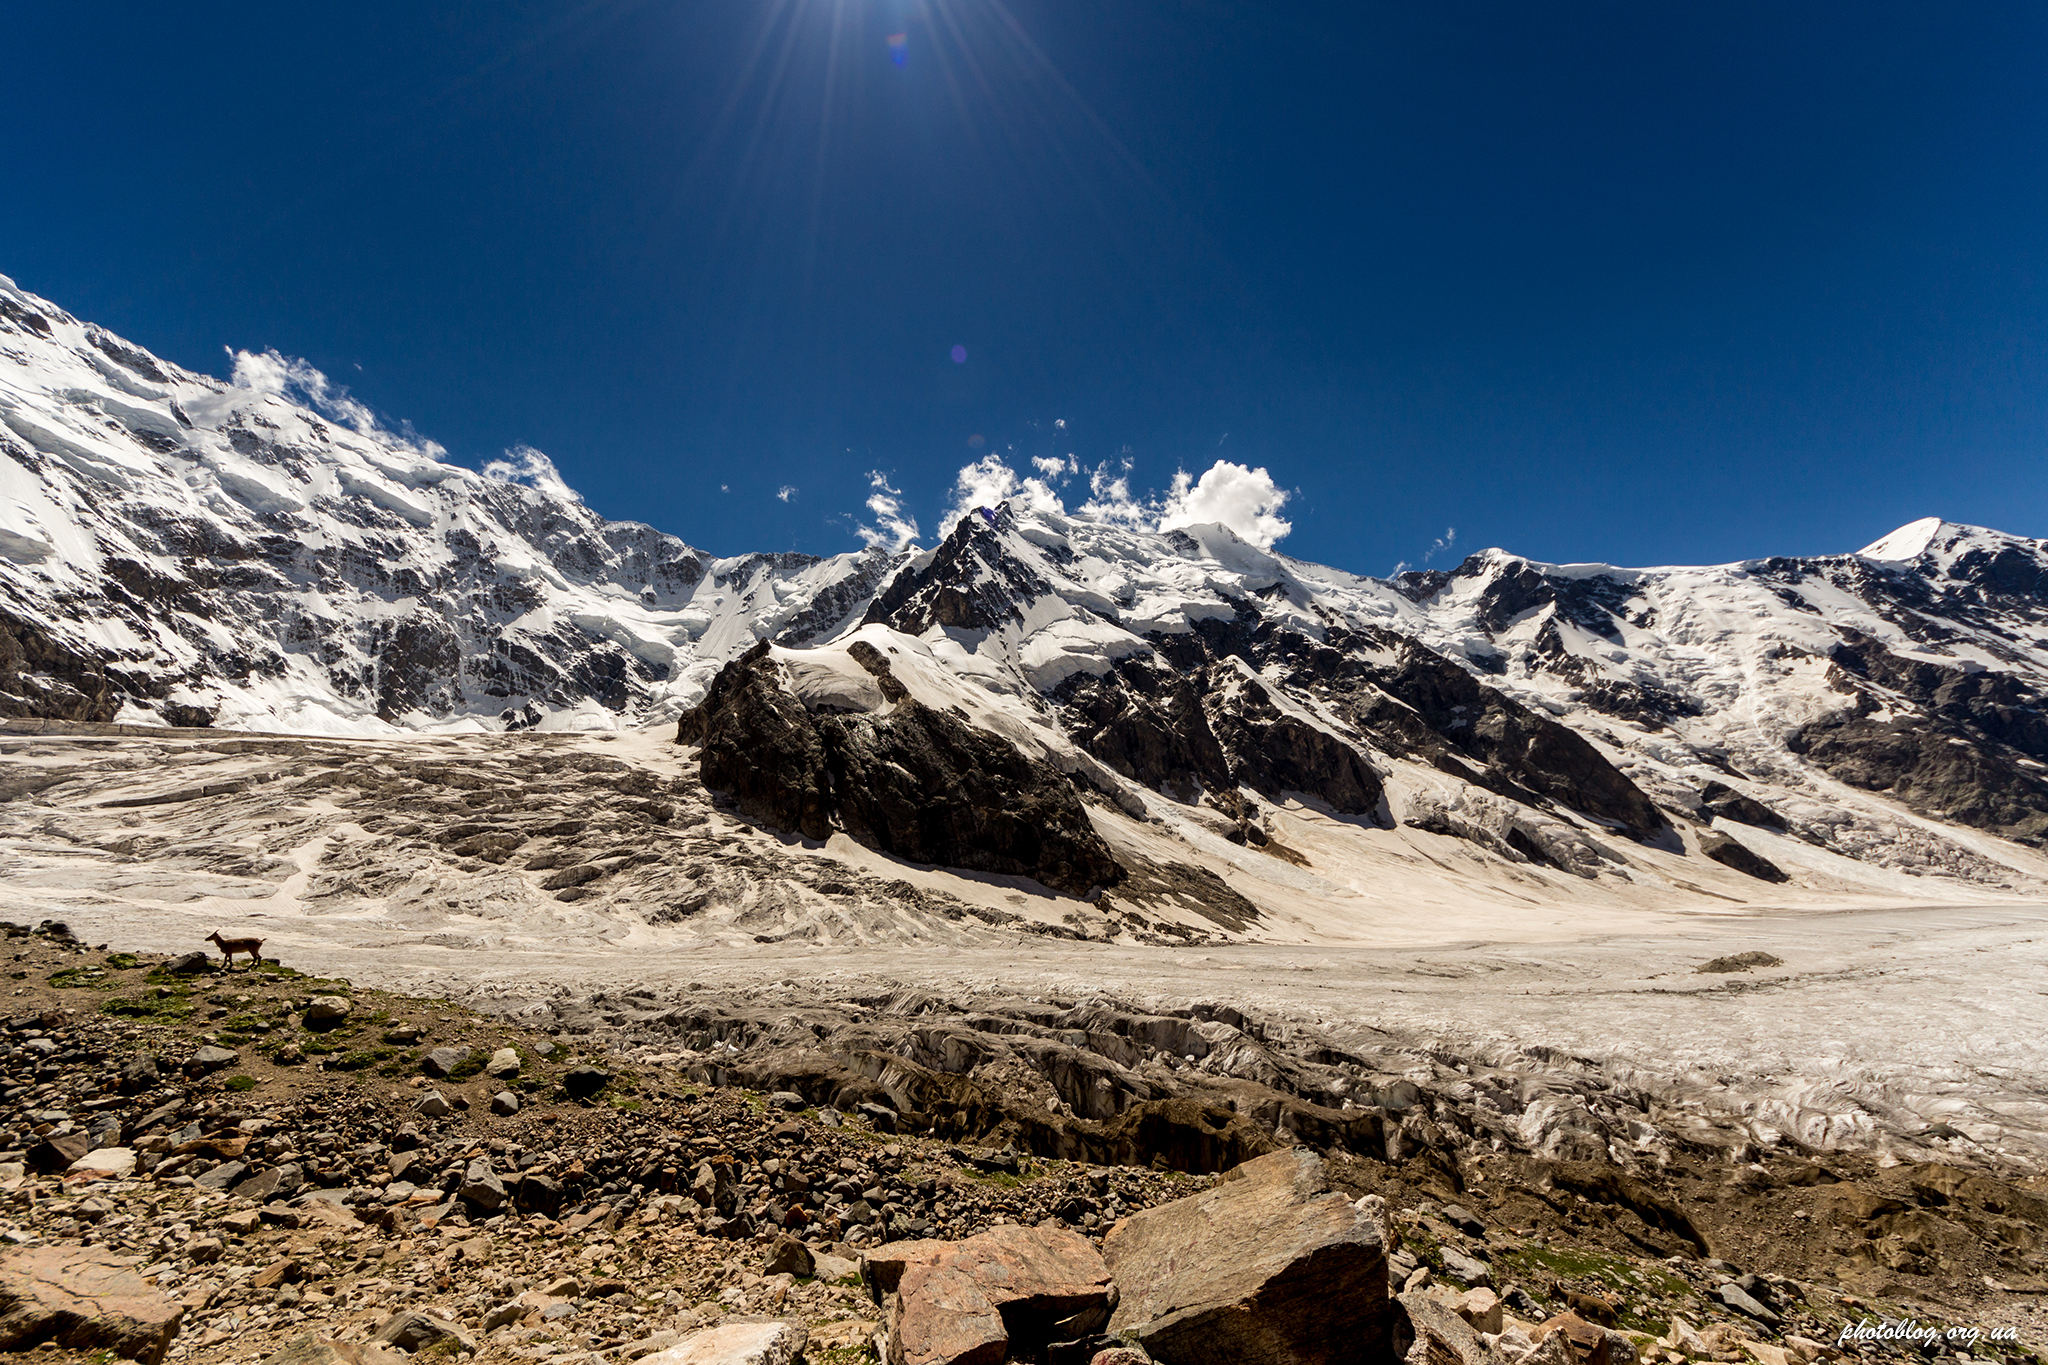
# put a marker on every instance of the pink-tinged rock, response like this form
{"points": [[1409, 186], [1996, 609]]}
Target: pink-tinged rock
{"points": [[85, 1298], [940, 1316], [736, 1343], [1268, 1267], [1009, 1290]]}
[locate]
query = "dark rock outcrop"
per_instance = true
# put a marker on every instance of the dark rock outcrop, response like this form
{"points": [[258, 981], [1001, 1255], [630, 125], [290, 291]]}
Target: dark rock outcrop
{"points": [[917, 783], [1731, 852]]}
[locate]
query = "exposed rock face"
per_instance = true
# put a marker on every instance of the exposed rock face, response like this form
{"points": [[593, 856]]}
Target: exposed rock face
{"points": [[916, 782], [1732, 852], [1972, 753], [1008, 1291], [86, 1298], [1269, 1266]]}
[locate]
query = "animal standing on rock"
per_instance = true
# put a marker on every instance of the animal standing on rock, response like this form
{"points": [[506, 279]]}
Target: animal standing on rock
{"points": [[230, 946]]}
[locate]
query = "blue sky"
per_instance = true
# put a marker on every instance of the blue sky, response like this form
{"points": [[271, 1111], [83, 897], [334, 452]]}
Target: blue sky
{"points": [[1639, 283]]}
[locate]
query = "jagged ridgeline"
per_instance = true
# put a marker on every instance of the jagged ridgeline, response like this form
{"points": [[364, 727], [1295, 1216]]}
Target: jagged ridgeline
{"points": [[1034, 693]]}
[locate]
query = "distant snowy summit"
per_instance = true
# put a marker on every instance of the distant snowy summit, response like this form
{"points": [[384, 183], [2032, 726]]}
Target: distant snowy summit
{"points": [[261, 554]]}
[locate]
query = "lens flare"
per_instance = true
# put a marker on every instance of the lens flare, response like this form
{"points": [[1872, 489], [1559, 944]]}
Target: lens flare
{"points": [[959, 355], [899, 48]]}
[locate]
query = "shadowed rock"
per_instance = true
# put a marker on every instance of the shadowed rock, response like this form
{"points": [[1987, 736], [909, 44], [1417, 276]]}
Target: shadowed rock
{"points": [[914, 782]]}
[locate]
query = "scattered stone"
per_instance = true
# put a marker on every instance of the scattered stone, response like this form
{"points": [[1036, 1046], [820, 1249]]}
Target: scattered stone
{"points": [[442, 1060], [312, 1349], [223, 1175], [327, 1011], [1268, 1265], [111, 1162], [190, 964], [211, 1058], [481, 1186], [85, 1298], [504, 1104], [503, 1065], [1459, 1266], [57, 1153], [789, 1256], [1734, 1296], [584, 1081], [414, 1331], [434, 1105]]}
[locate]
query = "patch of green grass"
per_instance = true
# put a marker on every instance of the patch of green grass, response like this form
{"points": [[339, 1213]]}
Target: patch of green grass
{"points": [[162, 1005], [469, 1066], [361, 1058], [121, 962], [243, 1082], [1541, 1264], [620, 1102], [72, 978], [277, 969], [246, 1023]]}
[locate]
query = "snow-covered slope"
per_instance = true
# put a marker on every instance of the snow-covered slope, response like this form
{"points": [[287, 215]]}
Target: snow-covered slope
{"points": [[174, 549], [263, 555]]}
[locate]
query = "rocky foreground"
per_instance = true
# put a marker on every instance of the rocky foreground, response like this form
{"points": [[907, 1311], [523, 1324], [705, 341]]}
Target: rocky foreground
{"points": [[254, 1165]]}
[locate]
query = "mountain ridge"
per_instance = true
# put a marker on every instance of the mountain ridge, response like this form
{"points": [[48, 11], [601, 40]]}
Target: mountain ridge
{"points": [[180, 550]]}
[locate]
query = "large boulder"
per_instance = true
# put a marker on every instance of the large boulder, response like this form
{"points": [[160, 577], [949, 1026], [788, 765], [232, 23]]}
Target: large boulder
{"points": [[1008, 1291], [1268, 1267], [86, 1298]]}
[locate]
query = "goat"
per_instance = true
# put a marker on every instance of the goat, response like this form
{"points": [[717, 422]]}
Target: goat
{"points": [[230, 946]]}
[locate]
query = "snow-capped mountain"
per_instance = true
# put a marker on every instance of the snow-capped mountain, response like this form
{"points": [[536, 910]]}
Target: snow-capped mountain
{"points": [[261, 554], [178, 550]]}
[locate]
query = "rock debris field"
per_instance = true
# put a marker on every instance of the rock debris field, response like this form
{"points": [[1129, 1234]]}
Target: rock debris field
{"points": [[258, 1165]]}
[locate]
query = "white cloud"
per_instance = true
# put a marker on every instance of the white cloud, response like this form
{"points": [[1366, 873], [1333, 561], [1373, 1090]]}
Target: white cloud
{"points": [[294, 380], [524, 464], [785, 493], [1441, 544], [988, 482], [893, 530], [1245, 500], [1056, 469], [1110, 499]]}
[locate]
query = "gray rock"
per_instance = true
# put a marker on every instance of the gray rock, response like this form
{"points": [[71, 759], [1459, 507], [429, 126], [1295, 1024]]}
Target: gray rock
{"points": [[1459, 1266], [504, 1064], [223, 1175], [443, 1060], [1428, 1329], [1734, 1296], [1268, 1265], [481, 1186], [211, 1058], [326, 1011], [434, 1105], [788, 1256], [505, 1103], [414, 1331], [1464, 1220]]}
